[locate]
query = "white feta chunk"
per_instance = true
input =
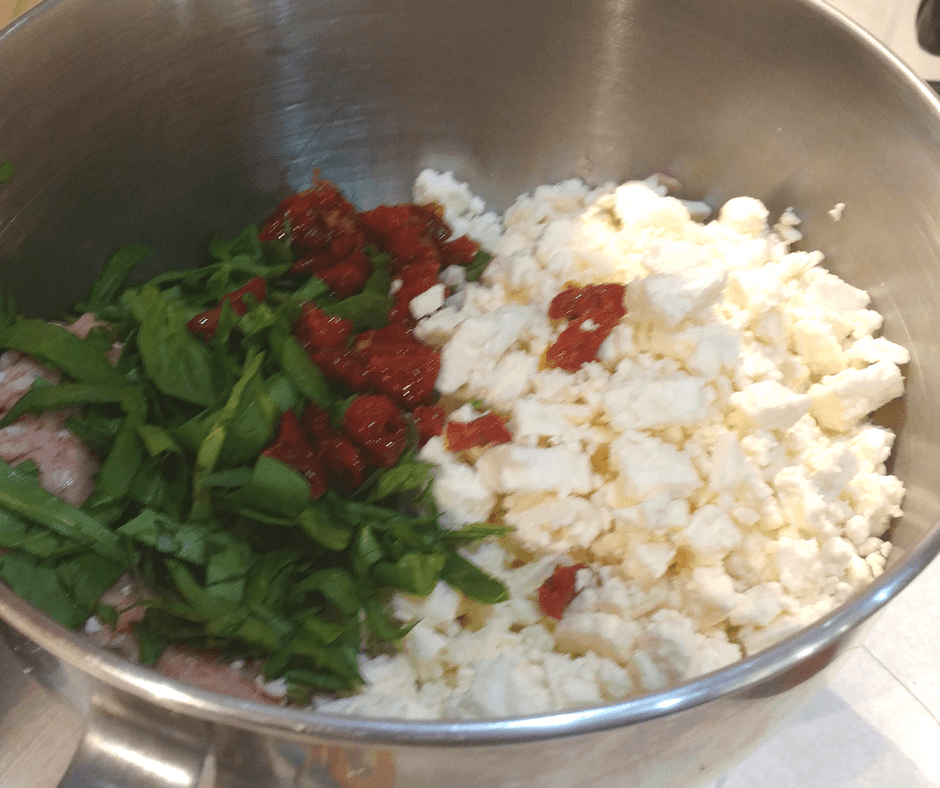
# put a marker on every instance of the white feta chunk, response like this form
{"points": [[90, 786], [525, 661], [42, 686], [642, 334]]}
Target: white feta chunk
{"points": [[745, 215], [841, 400], [647, 466], [509, 468], [669, 299], [710, 534], [427, 302], [771, 405]]}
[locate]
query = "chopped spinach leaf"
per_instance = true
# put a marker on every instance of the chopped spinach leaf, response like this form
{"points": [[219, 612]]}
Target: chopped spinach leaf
{"points": [[231, 549], [113, 275], [366, 310], [475, 268]]}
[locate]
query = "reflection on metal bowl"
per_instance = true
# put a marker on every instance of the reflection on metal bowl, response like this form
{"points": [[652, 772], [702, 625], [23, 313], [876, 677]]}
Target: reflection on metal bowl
{"points": [[163, 121]]}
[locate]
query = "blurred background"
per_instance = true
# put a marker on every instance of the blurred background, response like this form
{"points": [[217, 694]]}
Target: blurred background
{"points": [[10, 9], [891, 21]]}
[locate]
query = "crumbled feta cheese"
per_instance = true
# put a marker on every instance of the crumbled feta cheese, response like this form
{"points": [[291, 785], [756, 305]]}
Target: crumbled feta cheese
{"points": [[656, 403], [646, 466], [841, 400], [712, 469], [93, 625], [744, 214], [556, 524], [427, 302], [771, 405], [710, 534], [669, 299], [509, 468]]}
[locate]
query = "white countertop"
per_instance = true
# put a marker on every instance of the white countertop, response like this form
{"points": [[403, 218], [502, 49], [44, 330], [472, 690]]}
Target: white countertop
{"points": [[876, 725]]}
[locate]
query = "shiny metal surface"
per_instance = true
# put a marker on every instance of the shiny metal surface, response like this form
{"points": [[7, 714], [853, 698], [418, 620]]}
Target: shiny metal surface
{"points": [[38, 732], [161, 121]]}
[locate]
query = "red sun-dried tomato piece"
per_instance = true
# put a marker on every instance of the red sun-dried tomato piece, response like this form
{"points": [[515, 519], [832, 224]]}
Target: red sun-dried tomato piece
{"points": [[460, 251], [343, 463], [400, 314], [316, 330], [317, 425], [411, 249], [403, 231], [419, 276], [556, 593], [205, 323], [289, 432], [577, 345], [406, 374], [377, 427], [416, 278], [382, 223], [429, 421], [348, 277], [343, 366], [339, 249], [291, 447], [431, 216], [256, 287], [312, 264], [391, 226], [487, 430], [603, 302], [385, 339], [308, 213], [323, 227]]}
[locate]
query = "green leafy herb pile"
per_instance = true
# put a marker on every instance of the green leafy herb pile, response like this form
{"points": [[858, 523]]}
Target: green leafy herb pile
{"points": [[234, 554]]}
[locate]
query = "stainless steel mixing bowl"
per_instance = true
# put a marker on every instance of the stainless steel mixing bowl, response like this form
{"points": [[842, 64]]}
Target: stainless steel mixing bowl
{"points": [[161, 121]]}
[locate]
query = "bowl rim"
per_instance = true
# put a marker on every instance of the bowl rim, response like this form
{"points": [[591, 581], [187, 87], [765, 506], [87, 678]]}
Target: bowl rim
{"points": [[147, 684], [785, 656]]}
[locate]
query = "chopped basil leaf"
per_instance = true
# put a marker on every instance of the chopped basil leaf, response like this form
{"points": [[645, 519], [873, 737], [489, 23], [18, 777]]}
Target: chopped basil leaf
{"points": [[473, 581], [32, 503], [177, 362], [475, 268], [113, 275], [317, 522], [43, 397], [235, 477], [55, 346], [225, 539], [312, 290], [402, 478], [303, 373], [380, 281], [366, 310], [476, 532], [415, 573], [66, 589], [157, 440], [275, 490], [382, 625]]}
